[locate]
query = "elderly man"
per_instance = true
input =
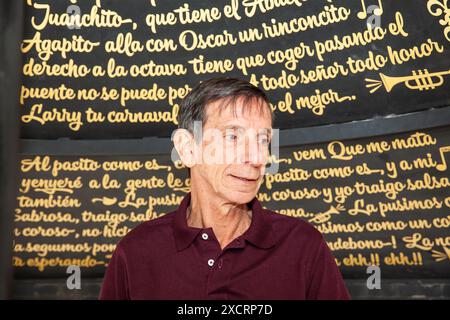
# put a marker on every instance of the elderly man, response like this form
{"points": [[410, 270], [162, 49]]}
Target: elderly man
{"points": [[220, 243]]}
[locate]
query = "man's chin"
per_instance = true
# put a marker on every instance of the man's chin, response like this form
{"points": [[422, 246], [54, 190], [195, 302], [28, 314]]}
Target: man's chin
{"points": [[240, 197]]}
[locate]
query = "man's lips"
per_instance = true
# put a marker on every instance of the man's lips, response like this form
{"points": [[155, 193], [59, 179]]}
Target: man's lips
{"points": [[244, 179]]}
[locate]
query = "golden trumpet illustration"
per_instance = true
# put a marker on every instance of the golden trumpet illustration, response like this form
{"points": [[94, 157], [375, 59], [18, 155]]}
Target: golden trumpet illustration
{"points": [[419, 80], [325, 216]]}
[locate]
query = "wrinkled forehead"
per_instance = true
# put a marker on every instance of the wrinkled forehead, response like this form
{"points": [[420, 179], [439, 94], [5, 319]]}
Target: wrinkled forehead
{"points": [[239, 109]]}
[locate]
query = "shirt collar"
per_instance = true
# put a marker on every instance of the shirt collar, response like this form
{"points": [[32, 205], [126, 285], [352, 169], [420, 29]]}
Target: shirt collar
{"points": [[260, 233]]}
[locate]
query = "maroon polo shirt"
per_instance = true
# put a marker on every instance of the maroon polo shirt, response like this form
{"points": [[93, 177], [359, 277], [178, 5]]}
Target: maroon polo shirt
{"points": [[278, 257]]}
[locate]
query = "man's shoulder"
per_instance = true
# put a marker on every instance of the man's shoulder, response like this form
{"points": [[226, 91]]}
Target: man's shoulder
{"points": [[293, 227]]}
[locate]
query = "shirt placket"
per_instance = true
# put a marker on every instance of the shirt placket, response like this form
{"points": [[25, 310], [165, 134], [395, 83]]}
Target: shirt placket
{"points": [[218, 262]]}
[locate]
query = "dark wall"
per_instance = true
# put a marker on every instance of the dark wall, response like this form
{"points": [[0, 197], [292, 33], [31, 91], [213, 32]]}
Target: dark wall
{"points": [[11, 16], [395, 88], [390, 289]]}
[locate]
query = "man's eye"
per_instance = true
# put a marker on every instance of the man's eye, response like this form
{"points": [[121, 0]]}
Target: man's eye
{"points": [[231, 137], [264, 140]]}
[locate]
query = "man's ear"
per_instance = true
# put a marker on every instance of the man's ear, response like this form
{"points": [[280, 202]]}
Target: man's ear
{"points": [[184, 143]]}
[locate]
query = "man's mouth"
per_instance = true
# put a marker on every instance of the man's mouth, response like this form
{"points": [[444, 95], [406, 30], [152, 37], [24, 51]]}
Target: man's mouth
{"points": [[244, 179]]}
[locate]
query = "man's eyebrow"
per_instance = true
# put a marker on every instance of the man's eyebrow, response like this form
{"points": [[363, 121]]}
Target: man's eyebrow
{"points": [[232, 126], [265, 131], [235, 126]]}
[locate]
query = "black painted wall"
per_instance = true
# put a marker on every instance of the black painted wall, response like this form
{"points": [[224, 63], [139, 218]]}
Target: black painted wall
{"points": [[390, 289], [10, 37]]}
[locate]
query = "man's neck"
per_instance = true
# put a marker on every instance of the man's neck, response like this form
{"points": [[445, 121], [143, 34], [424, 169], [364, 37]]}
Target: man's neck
{"points": [[227, 220]]}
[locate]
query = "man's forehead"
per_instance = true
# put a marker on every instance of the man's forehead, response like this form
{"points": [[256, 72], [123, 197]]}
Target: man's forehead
{"points": [[238, 110]]}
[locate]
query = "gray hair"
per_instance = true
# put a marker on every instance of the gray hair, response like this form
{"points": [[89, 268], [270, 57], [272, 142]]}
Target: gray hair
{"points": [[228, 90]]}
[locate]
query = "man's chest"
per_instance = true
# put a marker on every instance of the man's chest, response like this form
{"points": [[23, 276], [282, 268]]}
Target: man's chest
{"points": [[226, 276]]}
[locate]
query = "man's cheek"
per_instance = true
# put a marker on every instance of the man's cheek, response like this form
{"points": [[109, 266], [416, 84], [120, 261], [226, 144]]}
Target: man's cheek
{"points": [[230, 154], [210, 153]]}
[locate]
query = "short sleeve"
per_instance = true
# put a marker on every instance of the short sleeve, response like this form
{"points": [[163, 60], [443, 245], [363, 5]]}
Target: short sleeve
{"points": [[115, 282], [325, 278]]}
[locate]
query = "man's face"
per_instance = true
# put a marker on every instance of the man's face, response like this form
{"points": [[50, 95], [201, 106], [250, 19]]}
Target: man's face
{"points": [[234, 149]]}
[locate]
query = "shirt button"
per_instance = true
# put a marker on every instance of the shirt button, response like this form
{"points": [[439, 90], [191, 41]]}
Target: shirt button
{"points": [[210, 262], [204, 236]]}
